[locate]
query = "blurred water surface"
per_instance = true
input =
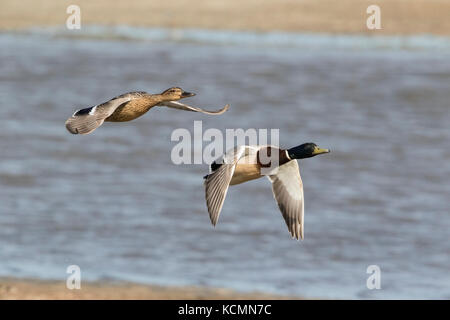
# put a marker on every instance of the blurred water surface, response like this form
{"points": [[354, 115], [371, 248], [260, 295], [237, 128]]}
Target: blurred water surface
{"points": [[113, 203]]}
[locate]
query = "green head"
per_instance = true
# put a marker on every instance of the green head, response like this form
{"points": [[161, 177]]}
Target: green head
{"points": [[306, 150]]}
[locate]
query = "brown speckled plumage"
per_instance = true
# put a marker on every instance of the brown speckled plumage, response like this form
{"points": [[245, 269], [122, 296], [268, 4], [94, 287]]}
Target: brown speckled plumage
{"points": [[139, 104], [129, 106]]}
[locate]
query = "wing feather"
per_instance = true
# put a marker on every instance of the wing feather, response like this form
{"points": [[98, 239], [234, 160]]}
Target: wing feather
{"points": [[182, 106], [287, 188], [217, 183], [86, 120]]}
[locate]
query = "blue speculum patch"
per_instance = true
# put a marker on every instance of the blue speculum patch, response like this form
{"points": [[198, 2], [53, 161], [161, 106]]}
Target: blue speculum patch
{"points": [[83, 111]]}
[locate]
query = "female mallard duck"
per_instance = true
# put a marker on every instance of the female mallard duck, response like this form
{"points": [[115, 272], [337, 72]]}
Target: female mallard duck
{"points": [[244, 163], [129, 106]]}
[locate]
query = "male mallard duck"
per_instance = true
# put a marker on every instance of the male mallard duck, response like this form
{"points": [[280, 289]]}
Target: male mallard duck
{"points": [[244, 163], [129, 106]]}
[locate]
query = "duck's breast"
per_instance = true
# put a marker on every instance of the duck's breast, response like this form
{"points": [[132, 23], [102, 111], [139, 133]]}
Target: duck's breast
{"points": [[246, 169]]}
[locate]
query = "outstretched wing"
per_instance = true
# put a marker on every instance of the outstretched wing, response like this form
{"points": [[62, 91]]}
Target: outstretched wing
{"points": [[216, 183], [287, 188], [85, 121], [182, 106]]}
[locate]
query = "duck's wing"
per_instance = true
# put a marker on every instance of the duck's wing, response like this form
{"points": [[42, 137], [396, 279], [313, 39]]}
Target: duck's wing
{"points": [[216, 183], [182, 106], [287, 188], [86, 120]]}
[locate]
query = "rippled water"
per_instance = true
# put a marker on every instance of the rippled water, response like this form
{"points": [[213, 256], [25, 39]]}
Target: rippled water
{"points": [[114, 204]]}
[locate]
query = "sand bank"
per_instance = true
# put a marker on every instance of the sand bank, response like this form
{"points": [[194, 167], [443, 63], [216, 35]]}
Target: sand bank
{"points": [[343, 16], [46, 290]]}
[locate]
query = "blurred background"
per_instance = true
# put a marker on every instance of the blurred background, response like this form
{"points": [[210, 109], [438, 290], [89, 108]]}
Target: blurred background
{"points": [[113, 203]]}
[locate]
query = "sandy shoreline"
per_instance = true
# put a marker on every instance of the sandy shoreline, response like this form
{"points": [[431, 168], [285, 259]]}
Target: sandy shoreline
{"points": [[343, 16], [19, 289]]}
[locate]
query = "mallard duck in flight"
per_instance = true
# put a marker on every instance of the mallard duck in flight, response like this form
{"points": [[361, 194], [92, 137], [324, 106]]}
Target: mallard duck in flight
{"points": [[244, 163], [130, 106]]}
